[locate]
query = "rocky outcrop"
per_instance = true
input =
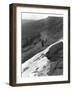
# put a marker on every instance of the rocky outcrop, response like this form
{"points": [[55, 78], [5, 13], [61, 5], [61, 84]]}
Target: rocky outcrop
{"points": [[46, 62]]}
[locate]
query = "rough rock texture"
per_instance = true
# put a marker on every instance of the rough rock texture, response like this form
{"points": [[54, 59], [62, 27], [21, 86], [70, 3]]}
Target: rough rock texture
{"points": [[39, 65], [45, 63]]}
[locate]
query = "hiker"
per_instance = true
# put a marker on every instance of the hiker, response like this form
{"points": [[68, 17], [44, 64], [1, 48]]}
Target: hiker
{"points": [[43, 38]]}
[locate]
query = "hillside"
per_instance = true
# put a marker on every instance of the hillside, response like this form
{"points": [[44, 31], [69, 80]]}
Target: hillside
{"points": [[33, 34], [52, 25]]}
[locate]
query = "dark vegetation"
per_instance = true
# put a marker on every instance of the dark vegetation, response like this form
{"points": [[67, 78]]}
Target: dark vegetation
{"points": [[39, 34], [55, 52], [55, 55]]}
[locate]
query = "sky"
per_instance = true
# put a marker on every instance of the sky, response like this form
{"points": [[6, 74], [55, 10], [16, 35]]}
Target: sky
{"points": [[33, 16]]}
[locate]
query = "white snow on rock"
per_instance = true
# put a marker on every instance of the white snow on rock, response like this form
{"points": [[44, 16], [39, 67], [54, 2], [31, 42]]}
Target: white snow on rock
{"points": [[38, 65]]}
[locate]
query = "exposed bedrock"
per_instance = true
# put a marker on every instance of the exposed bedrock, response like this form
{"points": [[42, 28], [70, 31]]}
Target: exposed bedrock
{"points": [[47, 62]]}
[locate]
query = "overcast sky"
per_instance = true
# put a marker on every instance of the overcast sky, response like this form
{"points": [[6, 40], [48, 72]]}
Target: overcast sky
{"points": [[33, 16]]}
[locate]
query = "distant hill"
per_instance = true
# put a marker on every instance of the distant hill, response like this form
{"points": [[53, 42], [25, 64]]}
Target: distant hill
{"points": [[31, 29]]}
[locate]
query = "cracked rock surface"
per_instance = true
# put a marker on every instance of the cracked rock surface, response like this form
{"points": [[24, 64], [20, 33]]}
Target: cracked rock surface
{"points": [[47, 62]]}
